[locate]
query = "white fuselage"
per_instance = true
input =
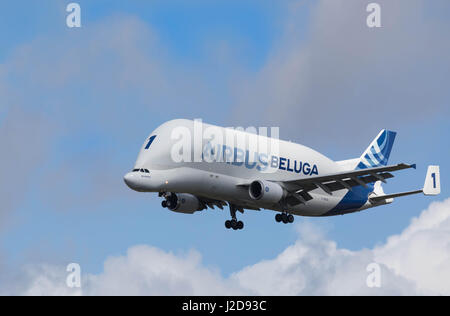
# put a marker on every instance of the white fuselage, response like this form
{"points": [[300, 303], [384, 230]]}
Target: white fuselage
{"points": [[225, 167]]}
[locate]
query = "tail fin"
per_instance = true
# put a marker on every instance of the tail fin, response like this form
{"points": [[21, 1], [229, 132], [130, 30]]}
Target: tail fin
{"points": [[377, 154]]}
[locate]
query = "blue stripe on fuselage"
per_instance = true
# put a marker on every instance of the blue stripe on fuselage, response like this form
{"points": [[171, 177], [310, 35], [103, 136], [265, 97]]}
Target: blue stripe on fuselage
{"points": [[352, 201], [358, 196]]}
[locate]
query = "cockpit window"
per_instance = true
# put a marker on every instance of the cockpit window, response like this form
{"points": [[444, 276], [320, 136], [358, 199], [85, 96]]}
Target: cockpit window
{"points": [[141, 170], [150, 141]]}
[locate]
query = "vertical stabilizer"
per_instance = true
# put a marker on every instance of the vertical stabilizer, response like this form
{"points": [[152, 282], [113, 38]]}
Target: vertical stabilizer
{"points": [[377, 154]]}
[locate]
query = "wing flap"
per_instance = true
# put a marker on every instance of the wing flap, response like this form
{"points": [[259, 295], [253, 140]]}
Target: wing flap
{"points": [[211, 203]]}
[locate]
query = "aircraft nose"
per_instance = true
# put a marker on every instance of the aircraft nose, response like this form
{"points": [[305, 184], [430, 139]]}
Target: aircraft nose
{"points": [[130, 180]]}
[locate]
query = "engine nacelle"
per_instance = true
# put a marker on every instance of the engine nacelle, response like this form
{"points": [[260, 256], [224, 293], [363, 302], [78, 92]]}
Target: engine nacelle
{"points": [[266, 191], [183, 203]]}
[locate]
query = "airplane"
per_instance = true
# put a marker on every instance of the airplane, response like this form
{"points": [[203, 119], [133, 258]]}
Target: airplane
{"points": [[193, 175]]}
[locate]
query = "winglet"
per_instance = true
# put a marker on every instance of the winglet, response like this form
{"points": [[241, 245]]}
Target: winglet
{"points": [[432, 184]]}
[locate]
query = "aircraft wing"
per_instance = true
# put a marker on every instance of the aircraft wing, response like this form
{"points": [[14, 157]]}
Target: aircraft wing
{"points": [[207, 202], [337, 181], [211, 203]]}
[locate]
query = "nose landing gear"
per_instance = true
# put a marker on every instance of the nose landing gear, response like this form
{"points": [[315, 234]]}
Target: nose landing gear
{"points": [[284, 217]]}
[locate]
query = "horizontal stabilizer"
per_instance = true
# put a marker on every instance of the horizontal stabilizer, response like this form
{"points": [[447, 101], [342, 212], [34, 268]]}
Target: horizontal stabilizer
{"points": [[381, 198], [432, 186]]}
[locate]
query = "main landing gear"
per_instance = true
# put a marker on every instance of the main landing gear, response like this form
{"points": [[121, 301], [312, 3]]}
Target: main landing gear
{"points": [[284, 217], [234, 223]]}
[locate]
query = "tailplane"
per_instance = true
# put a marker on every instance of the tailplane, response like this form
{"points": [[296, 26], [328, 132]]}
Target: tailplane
{"points": [[432, 186]]}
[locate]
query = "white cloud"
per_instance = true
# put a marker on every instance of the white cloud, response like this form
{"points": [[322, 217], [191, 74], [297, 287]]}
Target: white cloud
{"points": [[24, 139], [343, 76], [111, 72], [422, 251], [105, 83], [151, 271], [417, 261], [316, 266]]}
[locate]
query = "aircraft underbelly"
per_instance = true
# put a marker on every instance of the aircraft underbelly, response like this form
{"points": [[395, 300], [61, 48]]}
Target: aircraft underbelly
{"points": [[226, 188]]}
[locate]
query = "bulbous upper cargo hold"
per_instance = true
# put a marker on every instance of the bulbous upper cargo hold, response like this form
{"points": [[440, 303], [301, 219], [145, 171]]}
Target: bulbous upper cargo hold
{"points": [[229, 151]]}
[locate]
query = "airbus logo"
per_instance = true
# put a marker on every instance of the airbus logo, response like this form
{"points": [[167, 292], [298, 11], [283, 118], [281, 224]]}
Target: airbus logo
{"points": [[261, 161]]}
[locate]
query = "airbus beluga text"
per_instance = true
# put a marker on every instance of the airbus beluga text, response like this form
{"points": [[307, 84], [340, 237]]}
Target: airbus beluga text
{"points": [[195, 166]]}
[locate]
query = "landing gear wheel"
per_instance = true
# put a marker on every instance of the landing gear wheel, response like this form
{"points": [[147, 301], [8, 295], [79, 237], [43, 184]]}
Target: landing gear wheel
{"points": [[164, 203], [290, 218], [234, 223], [284, 218], [278, 218]]}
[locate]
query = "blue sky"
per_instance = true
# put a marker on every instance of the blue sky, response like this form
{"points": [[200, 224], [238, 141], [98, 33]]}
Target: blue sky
{"points": [[85, 99]]}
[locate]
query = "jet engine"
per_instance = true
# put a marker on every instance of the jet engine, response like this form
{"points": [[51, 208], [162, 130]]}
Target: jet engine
{"points": [[266, 191], [182, 203]]}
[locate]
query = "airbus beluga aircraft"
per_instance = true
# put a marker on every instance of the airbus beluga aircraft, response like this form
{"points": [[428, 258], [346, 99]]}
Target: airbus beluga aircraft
{"points": [[194, 170]]}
